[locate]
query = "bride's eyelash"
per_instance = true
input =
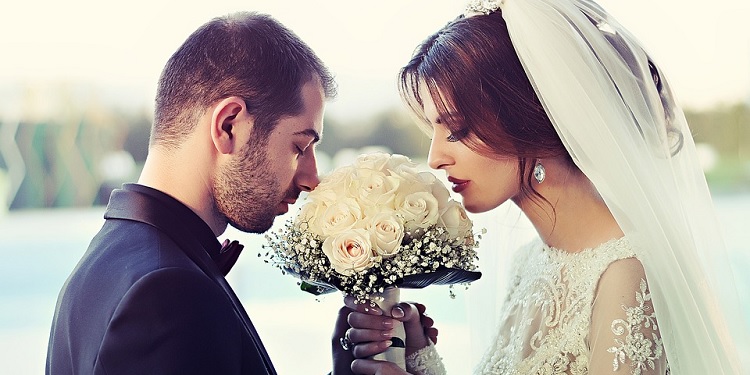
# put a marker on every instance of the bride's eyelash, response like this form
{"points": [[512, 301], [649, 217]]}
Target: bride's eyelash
{"points": [[458, 135]]}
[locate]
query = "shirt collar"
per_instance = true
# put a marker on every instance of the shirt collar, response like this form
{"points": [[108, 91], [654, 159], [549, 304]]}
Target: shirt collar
{"points": [[188, 222]]}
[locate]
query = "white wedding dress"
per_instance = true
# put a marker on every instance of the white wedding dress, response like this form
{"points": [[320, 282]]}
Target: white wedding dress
{"points": [[571, 313]]}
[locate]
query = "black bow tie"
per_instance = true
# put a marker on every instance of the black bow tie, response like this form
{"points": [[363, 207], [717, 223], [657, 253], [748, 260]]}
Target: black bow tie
{"points": [[227, 256]]}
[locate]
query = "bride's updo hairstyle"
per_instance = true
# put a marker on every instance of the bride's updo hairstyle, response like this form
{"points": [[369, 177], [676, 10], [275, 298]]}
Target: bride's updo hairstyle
{"points": [[487, 99]]}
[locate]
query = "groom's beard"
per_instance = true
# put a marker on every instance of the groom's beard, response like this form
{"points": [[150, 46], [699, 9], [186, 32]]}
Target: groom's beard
{"points": [[246, 192]]}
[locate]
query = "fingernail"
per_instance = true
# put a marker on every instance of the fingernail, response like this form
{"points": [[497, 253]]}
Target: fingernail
{"points": [[397, 312], [373, 311], [388, 323], [388, 333], [387, 344]]}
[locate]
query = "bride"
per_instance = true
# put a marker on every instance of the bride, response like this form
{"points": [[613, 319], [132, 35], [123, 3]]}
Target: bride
{"points": [[553, 105]]}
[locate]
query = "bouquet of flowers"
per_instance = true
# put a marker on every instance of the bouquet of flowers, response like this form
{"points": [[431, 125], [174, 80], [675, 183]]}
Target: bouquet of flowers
{"points": [[376, 224]]}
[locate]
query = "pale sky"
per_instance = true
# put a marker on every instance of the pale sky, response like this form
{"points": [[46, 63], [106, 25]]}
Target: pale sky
{"points": [[703, 46]]}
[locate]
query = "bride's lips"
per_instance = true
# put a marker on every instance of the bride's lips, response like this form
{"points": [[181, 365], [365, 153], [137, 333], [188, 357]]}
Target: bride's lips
{"points": [[458, 185]]}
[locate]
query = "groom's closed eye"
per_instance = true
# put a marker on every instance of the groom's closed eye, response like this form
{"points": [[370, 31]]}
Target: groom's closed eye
{"points": [[311, 133], [308, 138]]}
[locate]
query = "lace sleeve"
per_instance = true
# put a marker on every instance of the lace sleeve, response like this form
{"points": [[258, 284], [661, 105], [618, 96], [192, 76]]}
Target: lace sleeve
{"points": [[624, 336], [425, 361]]}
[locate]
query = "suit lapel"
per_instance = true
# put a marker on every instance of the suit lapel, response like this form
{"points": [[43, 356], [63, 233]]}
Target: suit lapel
{"points": [[134, 206]]}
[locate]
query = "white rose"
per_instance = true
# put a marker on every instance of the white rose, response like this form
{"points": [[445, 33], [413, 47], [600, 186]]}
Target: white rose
{"points": [[311, 214], [350, 251], [400, 162], [419, 210], [437, 188], [403, 167], [455, 220], [326, 197], [335, 183], [387, 232], [376, 161], [375, 189], [340, 216], [409, 182]]}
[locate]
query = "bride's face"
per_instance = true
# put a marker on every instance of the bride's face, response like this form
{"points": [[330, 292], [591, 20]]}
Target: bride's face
{"points": [[483, 182]]}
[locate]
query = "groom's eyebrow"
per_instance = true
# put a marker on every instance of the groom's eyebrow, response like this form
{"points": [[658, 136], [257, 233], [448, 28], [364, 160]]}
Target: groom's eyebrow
{"points": [[310, 133]]}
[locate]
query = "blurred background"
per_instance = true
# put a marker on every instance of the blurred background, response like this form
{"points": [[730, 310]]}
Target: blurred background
{"points": [[77, 81]]}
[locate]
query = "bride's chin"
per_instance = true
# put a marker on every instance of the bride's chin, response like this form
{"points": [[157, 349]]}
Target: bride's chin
{"points": [[475, 208], [480, 206]]}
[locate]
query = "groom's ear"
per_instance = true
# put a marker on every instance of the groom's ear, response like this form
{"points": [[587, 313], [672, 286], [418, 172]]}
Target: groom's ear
{"points": [[230, 125]]}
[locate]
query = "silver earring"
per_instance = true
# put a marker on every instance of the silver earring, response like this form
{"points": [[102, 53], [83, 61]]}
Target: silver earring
{"points": [[539, 173]]}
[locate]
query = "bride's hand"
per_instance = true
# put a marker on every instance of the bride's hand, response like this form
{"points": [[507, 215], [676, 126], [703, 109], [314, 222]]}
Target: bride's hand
{"points": [[371, 329], [427, 323], [342, 359]]}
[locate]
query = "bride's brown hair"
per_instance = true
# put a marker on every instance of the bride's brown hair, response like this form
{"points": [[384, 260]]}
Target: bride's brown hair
{"points": [[486, 94], [483, 95]]}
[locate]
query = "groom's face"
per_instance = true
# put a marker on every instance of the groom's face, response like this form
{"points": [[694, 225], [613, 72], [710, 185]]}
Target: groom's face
{"points": [[269, 174]]}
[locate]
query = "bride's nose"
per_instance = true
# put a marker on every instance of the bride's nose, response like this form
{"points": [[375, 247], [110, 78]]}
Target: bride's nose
{"points": [[438, 158]]}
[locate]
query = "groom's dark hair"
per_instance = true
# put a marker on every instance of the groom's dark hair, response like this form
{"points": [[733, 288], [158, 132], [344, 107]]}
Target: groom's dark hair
{"points": [[246, 54]]}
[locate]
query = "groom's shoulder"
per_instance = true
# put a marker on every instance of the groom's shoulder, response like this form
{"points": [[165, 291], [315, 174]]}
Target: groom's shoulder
{"points": [[139, 247], [121, 254]]}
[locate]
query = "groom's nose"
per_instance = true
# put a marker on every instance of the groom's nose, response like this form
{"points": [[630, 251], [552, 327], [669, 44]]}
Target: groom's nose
{"points": [[307, 174]]}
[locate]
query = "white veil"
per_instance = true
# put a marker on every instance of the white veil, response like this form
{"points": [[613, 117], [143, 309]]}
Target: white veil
{"points": [[632, 141]]}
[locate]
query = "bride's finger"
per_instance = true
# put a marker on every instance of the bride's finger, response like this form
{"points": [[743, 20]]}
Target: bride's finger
{"points": [[369, 349], [357, 335], [342, 359], [366, 307], [405, 312], [427, 322], [366, 321], [432, 334]]}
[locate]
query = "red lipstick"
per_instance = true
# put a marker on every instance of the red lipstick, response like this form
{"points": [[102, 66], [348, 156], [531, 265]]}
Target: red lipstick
{"points": [[458, 185]]}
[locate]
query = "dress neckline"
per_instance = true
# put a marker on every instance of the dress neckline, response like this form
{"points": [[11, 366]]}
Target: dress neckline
{"points": [[614, 242]]}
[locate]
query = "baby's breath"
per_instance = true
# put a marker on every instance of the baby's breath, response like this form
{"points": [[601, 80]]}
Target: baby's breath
{"points": [[300, 252], [296, 249]]}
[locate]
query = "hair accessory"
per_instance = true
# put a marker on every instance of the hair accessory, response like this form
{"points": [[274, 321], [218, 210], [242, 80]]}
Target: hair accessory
{"points": [[475, 7], [539, 172]]}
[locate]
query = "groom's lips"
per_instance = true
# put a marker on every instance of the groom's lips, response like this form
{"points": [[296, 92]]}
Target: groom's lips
{"points": [[458, 185], [284, 205]]}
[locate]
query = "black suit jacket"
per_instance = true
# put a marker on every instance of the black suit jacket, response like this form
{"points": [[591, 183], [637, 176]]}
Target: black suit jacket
{"points": [[148, 298]]}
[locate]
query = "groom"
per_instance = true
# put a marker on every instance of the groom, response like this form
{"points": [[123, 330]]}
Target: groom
{"points": [[239, 108]]}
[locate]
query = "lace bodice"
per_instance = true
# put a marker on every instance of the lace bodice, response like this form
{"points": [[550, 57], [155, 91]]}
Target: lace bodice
{"points": [[573, 313]]}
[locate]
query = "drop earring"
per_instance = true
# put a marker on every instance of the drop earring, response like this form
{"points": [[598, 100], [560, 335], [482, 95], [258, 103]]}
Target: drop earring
{"points": [[539, 172]]}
